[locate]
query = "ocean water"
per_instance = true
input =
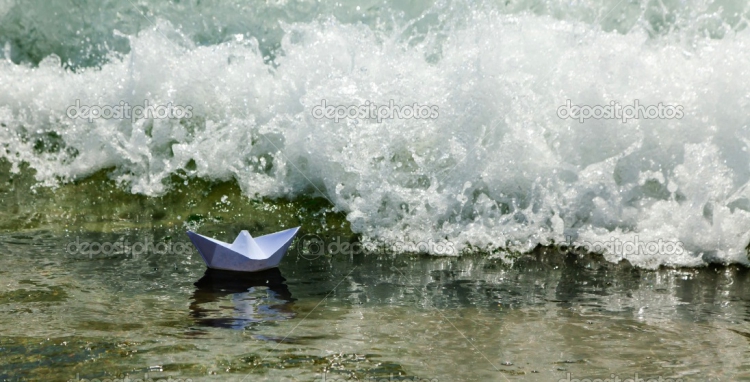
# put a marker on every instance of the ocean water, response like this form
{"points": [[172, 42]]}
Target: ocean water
{"points": [[490, 239], [498, 169]]}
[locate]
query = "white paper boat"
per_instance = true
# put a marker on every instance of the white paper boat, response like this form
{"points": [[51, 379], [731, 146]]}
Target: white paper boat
{"points": [[245, 254]]}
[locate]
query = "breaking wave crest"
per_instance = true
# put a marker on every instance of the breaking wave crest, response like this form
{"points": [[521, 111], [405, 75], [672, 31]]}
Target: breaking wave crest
{"points": [[498, 168]]}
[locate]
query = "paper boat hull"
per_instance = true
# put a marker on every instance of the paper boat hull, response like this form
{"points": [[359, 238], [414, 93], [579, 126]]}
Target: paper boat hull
{"points": [[217, 255]]}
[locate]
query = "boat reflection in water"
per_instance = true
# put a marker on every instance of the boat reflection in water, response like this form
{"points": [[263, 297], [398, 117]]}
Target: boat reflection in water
{"points": [[254, 297]]}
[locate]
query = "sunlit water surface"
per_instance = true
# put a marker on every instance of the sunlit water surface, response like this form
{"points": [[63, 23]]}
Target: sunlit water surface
{"points": [[65, 315]]}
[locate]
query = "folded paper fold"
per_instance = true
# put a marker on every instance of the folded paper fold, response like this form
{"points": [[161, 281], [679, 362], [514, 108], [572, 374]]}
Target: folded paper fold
{"points": [[246, 254]]}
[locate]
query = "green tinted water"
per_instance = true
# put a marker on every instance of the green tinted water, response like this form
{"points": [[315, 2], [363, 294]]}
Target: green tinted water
{"points": [[68, 313]]}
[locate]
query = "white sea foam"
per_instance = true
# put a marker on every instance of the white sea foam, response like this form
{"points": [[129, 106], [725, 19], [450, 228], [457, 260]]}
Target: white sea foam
{"points": [[497, 169]]}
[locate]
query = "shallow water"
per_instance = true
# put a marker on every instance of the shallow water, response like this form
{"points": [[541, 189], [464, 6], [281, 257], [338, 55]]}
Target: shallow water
{"points": [[64, 314], [102, 311]]}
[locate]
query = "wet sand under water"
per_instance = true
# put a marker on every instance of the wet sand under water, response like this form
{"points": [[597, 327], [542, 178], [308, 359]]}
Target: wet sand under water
{"points": [[357, 317]]}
